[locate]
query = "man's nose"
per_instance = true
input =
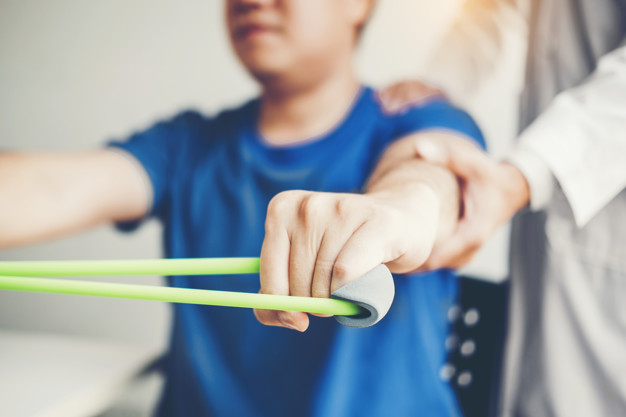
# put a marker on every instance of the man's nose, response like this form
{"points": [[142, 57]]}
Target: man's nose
{"points": [[247, 5]]}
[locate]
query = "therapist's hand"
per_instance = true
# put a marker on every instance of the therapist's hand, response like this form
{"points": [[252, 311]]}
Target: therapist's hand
{"points": [[318, 242], [407, 94], [491, 192]]}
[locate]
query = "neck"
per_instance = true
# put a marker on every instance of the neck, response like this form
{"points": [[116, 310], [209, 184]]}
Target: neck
{"points": [[290, 115]]}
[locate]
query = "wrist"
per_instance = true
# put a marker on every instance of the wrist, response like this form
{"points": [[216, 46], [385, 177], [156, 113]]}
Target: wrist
{"points": [[537, 174], [515, 186], [411, 198], [419, 205]]}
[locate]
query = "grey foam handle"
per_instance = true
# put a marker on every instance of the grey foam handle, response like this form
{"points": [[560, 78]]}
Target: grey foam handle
{"points": [[373, 291]]}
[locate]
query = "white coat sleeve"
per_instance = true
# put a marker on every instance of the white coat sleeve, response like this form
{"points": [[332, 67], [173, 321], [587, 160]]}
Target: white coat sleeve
{"points": [[581, 140]]}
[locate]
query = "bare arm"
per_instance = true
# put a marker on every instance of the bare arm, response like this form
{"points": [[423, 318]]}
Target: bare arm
{"points": [[398, 170], [46, 195], [317, 242]]}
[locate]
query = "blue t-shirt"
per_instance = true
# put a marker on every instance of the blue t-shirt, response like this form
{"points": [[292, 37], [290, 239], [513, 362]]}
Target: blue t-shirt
{"points": [[212, 180]]}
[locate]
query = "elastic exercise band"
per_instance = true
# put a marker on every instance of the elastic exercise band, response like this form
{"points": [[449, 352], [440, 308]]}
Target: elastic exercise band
{"points": [[188, 266], [182, 295]]}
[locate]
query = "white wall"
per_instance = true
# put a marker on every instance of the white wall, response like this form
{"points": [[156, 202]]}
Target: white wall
{"points": [[74, 74]]}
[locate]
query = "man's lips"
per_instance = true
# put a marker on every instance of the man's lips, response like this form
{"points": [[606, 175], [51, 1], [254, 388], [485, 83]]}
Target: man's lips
{"points": [[250, 30]]}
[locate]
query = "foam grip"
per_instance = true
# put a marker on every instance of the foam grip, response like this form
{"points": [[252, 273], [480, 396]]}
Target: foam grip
{"points": [[373, 292]]}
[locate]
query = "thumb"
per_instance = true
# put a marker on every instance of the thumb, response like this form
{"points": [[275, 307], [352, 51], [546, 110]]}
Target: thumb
{"points": [[459, 156], [431, 151]]}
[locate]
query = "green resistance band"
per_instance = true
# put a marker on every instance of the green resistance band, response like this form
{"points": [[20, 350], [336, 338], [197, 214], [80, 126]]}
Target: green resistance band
{"points": [[188, 266], [17, 276]]}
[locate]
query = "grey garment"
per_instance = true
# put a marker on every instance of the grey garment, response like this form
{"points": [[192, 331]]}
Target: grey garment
{"points": [[568, 313], [566, 345], [567, 39]]}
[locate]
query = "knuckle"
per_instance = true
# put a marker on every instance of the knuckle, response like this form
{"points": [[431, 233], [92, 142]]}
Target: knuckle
{"points": [[344, 207], [279, 207], [309, 207], [341, 273], [276, 207], [280, 202]]}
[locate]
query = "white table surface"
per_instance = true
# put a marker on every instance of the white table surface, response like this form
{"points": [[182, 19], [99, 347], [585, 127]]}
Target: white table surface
{"points": [[45, 375]]}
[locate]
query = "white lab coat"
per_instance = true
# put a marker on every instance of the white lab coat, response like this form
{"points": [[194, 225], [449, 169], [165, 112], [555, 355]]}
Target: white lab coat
{"points": [[566, 342]]}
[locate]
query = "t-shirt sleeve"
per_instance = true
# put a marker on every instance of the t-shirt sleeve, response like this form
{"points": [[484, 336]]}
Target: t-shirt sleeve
{"points": [[437, 115], [157, 152]]}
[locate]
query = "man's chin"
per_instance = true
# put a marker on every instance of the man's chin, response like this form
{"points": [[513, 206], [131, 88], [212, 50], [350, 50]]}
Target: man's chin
{"points": [[266, 74], [263, 62]]}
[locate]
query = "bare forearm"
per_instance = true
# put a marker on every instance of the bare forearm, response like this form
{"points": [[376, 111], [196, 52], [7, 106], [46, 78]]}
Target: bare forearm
{"points": [[414, 182], [410, 180], [46, 195]]}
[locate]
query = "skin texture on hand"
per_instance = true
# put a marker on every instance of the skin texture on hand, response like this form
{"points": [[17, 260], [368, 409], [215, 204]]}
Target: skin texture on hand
{"points": [[317, 242], [404, 94], [492, 192]]}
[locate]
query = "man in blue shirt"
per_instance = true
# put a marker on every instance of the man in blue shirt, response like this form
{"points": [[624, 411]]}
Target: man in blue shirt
{"points": [[281, 176]]}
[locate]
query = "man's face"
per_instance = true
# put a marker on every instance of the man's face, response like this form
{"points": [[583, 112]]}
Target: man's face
{"points": [[278, 39]]}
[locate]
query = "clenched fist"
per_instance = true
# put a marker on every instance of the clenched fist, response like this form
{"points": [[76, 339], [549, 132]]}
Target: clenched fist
{"points": [[317, 242]]}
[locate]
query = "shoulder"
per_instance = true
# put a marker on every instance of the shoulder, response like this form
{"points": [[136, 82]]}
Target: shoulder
{"points": [[435, 113]]}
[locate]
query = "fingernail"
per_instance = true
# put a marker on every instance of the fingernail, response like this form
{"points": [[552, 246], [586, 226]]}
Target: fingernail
{"points": [[287, 320], [430, 151]]}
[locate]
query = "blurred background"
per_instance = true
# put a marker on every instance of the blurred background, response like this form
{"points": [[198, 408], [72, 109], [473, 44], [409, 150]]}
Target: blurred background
{"points": [[76, 74]]}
